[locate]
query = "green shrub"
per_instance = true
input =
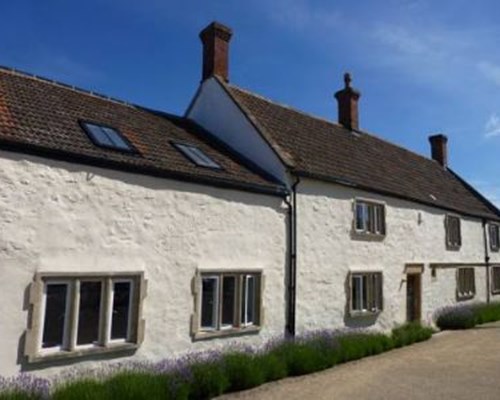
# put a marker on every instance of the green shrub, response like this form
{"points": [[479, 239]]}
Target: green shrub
{"points": [[18, 395], [242, 371], [356, 346], [85, 389], [487, 313], [272, 366], [208, 380], [137, 386], [410, 333]]}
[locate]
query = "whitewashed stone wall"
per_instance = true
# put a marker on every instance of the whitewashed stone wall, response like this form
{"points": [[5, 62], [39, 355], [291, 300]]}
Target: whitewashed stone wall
{"points": [[415, 234], [56, 216]]}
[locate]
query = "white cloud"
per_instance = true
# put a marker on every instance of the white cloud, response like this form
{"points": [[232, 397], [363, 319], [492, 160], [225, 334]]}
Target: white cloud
{"points": [[300, 15], [492, 126], [490, 71]]}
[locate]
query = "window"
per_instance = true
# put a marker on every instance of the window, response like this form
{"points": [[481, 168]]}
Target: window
{"points": [[466, 285], [453, 234], [228, 302], [108, 137], [494, 237], [495, 280], [196, 155], [366, 293], [76, 314], [369, 218]]}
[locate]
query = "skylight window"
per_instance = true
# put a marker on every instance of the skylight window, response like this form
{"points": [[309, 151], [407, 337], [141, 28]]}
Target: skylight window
{"points": [[196, 155], [108, 137]]}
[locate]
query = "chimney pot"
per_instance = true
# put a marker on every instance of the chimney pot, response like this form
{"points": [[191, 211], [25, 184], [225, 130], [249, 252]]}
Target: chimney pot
{"points": [[347, 99], [439, 149], [215, 38]]}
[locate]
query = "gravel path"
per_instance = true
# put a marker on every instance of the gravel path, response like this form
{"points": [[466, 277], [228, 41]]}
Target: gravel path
{"points": [[452, 365]]}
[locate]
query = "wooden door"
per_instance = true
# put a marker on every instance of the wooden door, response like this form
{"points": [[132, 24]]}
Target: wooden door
{"points": [[413, 297]]}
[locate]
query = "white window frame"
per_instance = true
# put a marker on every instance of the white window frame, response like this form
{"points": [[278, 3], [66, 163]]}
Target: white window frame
{"points": [[215, 306], [66, 333], [239, 325], [466, 295], [377, 292], [69, 348], [109, 311], [377, 221], [245, 301]]}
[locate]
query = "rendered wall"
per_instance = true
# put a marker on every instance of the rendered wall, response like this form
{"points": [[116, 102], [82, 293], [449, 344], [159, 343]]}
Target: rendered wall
{"points": [[328, 250], [217, 113], [56, 216]]}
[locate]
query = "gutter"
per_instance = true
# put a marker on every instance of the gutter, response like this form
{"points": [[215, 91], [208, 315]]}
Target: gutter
{"points": [[486, 262], [292, 259]]}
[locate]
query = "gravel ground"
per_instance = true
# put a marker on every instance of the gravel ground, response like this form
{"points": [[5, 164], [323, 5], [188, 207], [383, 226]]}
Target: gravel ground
{"points": [[452, 365]]}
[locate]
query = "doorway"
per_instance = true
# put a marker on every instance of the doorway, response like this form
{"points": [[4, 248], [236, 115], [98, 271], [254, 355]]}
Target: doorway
{"points": [[413, 297]]}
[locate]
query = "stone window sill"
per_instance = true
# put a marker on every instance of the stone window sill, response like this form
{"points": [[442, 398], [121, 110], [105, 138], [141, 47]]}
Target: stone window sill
{"points": [[367, 236], [206, 335], [465, 296], [361, 314], [66, 354]]}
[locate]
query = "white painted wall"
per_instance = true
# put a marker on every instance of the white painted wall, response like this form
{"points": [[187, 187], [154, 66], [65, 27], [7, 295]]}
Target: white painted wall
{"points": [[214, 110], [326, 254], [56, 216]]}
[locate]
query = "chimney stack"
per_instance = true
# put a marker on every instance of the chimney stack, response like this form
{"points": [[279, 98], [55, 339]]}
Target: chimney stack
{"points": [[215, 38], [348, 104], [439, 149]]}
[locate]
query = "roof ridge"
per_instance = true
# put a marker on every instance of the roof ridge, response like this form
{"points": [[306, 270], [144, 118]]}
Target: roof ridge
{"points": [[333, 123], [29, 75]]}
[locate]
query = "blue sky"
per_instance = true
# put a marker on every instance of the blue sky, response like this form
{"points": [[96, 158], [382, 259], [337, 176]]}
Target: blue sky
{"points": [[422, 66]]}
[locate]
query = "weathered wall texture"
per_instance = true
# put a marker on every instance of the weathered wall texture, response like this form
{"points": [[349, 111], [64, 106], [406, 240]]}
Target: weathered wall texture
{"points": [[327, 251], [56, 216]]}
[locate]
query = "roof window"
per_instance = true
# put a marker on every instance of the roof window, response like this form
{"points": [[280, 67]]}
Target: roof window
{"points": [[105, 136], [196, 155]]}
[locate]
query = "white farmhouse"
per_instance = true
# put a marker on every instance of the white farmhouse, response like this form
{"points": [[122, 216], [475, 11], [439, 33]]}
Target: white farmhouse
{"points": [[129, 233], [380, 235]]}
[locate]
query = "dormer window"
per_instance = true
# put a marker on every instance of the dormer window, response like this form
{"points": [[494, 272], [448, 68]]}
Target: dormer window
{"points": [[107, 137], [453, 232], [369, 218], [196, 155]]}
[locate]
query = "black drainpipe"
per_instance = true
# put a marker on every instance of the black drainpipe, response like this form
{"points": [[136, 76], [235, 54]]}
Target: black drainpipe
{"points": [[292, 259], [486, 261]]}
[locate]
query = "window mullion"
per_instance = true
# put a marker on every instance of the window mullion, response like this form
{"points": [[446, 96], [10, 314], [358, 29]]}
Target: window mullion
{"points": [[72, 330], [106, 313]]}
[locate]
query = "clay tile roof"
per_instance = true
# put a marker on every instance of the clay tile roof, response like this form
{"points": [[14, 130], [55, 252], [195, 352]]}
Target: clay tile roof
{"points": [[324, 150], [42, 117]]}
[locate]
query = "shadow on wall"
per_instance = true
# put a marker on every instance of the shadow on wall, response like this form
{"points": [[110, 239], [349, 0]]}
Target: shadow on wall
{"points": [[358, 322], [151, 182]]}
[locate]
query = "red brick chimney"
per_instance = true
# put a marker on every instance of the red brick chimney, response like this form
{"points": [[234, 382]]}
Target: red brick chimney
{"points": [[348, 104], [439, 149], [215, 38]]}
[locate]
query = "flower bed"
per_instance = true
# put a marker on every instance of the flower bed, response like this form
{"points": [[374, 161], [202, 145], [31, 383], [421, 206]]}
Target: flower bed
{"points": [[467, 316], [209, 374]]}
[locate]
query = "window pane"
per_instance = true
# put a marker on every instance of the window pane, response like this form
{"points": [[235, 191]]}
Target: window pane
{"points": [[248, 303], [357, 288], [116, 139], [121, 310], [89, 312], [55, 315], [196, 155], [99, 135], [359, 217], [209, 303], [228, 300]]}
